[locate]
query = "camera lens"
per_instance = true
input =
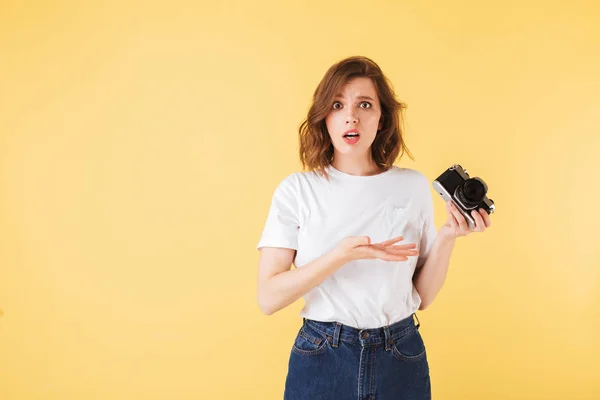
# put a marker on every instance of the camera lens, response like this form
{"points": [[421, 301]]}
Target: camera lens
{"points": [[471, 192]]}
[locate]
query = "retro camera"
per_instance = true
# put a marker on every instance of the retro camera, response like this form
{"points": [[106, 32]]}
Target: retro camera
{"points": [[467, 193]]}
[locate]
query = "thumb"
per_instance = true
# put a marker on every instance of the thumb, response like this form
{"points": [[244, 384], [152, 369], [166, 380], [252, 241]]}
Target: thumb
{"points": [[355, 241]]}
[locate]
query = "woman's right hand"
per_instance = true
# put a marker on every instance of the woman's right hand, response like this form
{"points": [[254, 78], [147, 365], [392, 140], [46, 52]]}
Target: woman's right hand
{"points": [[359, 247]]}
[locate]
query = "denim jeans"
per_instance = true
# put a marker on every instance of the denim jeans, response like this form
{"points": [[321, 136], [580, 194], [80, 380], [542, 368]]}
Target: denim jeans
{"points": [[333, 361]]}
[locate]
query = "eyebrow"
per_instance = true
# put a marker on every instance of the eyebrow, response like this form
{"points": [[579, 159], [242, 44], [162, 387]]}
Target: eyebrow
{"points": [[358, 97]]}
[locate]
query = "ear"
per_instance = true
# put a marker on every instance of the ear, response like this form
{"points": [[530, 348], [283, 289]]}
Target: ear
{"points": [[380, 124]]}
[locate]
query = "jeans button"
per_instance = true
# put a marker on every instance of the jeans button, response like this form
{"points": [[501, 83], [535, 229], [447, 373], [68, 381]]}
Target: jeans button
{"points": [[364, 335]]}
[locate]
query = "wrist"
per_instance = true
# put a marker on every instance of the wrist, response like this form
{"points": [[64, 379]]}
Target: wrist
{"points": [[338, 257], [446, 234]]}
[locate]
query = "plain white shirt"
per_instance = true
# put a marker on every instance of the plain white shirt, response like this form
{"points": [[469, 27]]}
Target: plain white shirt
{"points": [[311, 215]]}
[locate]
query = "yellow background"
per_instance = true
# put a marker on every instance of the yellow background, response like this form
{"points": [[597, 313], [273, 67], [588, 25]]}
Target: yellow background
{"points": [[140, 144]]}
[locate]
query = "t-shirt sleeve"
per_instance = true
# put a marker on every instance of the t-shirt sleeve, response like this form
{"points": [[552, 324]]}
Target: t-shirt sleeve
{"points": [[429, 231], [282, 226]]}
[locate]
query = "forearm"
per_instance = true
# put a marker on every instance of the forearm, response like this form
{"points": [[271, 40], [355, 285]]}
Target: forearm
{"points": [[430, 278], [285, 288]]}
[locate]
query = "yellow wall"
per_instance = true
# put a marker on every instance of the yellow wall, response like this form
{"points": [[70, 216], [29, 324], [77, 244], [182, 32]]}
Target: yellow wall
{"points": [[140, 145]]}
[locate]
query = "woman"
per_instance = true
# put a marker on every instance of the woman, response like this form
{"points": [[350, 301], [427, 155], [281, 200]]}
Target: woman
{"points": [[340, 224]]}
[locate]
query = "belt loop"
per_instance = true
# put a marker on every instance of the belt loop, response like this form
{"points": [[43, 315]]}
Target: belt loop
{"points": [[336, 334], [386, 331], [418, 322]]}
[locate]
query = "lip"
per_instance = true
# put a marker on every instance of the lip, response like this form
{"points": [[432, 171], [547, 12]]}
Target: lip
{"points": [[351, 131]]}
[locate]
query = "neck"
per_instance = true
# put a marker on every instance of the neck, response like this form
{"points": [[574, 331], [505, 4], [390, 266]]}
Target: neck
{"points": [[358, 167]]}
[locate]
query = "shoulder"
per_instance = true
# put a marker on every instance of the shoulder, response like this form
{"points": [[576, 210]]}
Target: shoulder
{"points": [[297, 180], [411, 175], [415, 181], [294, 184], [288, 185]]}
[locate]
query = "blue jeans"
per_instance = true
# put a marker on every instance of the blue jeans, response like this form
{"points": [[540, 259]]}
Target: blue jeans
{"points": [[333, 361]]}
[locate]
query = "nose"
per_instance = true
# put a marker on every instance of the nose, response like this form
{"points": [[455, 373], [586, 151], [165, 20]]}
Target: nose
{"points": [[351, 118]]}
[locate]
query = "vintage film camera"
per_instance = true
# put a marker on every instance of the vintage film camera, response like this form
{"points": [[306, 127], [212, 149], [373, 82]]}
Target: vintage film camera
{"points": [[467, 193]]}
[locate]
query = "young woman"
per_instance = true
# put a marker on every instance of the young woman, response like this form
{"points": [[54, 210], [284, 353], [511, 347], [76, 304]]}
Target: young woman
{"points": [[361, 234]]}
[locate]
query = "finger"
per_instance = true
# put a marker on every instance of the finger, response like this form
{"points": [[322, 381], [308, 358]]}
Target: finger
{"points": [[403, 246], [391, 257], [392, 241], [460, 219], [396, 247], [403, 252], [486, 217], [479, 223], [451, 219], [453, 222]]}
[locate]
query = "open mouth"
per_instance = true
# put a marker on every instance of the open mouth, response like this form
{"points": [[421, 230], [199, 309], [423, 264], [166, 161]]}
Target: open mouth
{"points": [[351, 138]]}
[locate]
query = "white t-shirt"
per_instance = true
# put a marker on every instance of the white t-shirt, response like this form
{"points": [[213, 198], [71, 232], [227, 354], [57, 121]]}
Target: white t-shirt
{"points": [[311, 215]]}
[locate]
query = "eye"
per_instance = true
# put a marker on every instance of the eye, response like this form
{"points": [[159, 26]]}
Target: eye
{"points": [[367, 103], [334, 105]]}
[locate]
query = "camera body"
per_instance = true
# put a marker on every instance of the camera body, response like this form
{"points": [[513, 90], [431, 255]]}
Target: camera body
{"points": [[467, 193]]}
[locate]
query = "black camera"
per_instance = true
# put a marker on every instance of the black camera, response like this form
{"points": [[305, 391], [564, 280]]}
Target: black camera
{"points": [[467, 193]]}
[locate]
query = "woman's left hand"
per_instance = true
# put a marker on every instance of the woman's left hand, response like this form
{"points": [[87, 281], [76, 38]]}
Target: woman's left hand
{"points": [[457, 225]]}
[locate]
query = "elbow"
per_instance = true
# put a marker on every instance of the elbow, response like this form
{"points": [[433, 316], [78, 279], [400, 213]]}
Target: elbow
{"points": [[266, 301], [424, 304], [266, 307], [266, 310]]}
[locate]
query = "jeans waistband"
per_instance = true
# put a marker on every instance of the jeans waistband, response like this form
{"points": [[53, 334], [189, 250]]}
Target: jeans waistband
{"points": [[336, 331]]}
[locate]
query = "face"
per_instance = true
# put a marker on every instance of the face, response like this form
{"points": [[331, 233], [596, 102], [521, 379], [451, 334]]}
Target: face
{"points": [[356, 109]]}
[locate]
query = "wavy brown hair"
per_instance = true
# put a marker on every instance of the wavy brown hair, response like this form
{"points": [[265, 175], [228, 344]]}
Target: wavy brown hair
{"points": [[316, 149]]}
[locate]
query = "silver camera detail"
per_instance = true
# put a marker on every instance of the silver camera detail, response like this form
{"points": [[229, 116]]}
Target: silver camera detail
{"points": [[467, 193]]}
